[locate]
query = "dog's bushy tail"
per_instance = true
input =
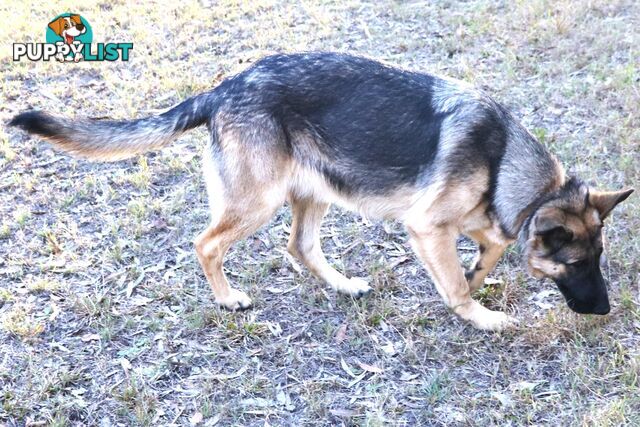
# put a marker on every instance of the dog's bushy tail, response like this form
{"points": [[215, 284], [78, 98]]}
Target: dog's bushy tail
{"points": [[115, 140]]}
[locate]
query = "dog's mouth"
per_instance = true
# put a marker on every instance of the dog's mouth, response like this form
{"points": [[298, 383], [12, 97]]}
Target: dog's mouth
{"points": [[68, 39]]}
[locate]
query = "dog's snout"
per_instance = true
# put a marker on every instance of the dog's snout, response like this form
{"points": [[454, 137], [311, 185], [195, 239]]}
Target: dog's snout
{"points": [[80, 27], [602, 309]]}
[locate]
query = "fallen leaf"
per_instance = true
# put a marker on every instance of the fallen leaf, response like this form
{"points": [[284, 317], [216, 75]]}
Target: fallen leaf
{"points": [[90, 337], [132, 285], [389, 349], [275, 290], [342, 412], [370, 368], [141, 301], [258, 402], [222, 377], [543, 305], [406, 376], [503, 398], [285, 400], [158, 267], [55, 310], [341, 333], [347, 368], [78, 391], [398, 261], [357, 380], [196, 418], [543, 294], [215, 420]]}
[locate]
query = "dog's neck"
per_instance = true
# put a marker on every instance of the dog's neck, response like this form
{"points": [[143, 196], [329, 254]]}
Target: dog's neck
{"points": [[525, 229], [528, 175]]}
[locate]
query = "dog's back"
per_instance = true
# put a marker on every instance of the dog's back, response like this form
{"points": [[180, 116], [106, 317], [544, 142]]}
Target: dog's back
{"points": [[373, 127]]}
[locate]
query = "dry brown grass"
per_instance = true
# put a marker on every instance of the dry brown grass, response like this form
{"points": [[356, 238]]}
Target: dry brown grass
{"points": [[105, 315]]}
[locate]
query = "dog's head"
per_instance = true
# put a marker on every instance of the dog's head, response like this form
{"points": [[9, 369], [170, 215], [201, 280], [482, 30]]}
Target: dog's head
{"points": [[68, 27], [565, 244]]}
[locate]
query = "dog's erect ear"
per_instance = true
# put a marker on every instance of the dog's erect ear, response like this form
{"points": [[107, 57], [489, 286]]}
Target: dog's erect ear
{"points": [[549, 226], [76, 19], [57, 25], [605, 201]]}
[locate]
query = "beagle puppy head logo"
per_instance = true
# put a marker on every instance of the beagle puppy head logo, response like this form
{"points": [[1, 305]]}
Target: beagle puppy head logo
{"points": [[69, 28]]}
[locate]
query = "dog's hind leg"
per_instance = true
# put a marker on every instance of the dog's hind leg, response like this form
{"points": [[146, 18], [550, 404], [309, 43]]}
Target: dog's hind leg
{"points": [[211, 246], [436, 247], [304, 244], [245, 189]]}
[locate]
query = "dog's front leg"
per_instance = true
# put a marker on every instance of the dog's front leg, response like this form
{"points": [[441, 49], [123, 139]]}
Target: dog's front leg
{"points": [[436, 248], [489, 253]]}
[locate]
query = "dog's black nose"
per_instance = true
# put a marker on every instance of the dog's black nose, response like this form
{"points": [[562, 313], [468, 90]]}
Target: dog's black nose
{"points": [[604, 308], [80, 27]]}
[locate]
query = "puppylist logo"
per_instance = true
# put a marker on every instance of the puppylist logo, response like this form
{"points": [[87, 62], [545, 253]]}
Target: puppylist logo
{"points": [[69, 38]]}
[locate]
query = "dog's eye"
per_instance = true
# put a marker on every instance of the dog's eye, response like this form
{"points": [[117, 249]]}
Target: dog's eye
{"points": [[577, 264]]}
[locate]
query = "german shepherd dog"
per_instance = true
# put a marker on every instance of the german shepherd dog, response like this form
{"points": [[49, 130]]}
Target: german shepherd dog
{"points": [[320, 128]]}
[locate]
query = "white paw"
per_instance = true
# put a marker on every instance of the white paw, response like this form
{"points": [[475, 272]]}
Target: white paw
{"points": [[485, 319], [495, 321], [236, 300], [355, 287]]}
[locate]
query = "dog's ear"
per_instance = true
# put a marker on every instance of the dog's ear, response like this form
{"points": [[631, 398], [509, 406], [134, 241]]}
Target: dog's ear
{"points": [[76, 19], [57, 25], [549, 226], [605, 201]]}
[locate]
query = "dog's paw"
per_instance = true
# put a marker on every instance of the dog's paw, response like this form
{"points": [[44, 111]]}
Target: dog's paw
{"points": [[485, 319], [355, 287], [235, 301], [495, 321]]}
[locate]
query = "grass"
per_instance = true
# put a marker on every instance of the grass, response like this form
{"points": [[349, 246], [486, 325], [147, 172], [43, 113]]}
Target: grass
{"points": [[106, 318]]}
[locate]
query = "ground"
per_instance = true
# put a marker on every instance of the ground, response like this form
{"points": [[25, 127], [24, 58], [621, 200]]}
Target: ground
{"points": [[106, 318]]}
